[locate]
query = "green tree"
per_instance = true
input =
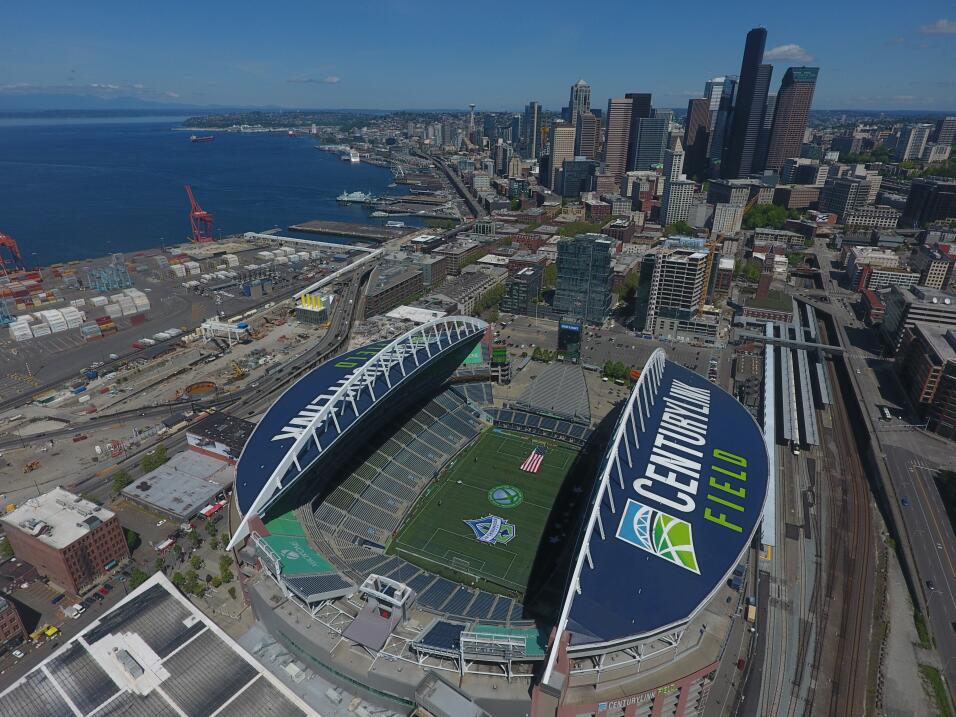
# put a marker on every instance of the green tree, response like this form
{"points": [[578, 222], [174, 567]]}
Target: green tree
{"points": [[154, 459], [629, 287], [6, 551], [232, 592], [574, 228], [515, 205], [210, 527], [440, 223], [179, 580], [549, 277], [761, 216], [121, 479], [195, 562], [132, 539], [137, 577], [159, 564], [178, 551], [216, 581], [679, 227], [193, 538]]}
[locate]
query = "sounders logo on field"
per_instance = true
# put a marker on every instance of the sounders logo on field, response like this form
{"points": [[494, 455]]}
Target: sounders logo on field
{"points": [[663, 535]]}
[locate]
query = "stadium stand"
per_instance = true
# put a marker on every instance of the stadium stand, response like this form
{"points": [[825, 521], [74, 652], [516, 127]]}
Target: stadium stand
{"points": [[352, 524], [479, 393], [559, 391], [525, 422]]}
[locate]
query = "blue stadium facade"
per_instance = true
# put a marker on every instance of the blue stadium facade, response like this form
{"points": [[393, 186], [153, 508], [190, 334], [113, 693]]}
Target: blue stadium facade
{"points": [[677, 503], [329, 412]]}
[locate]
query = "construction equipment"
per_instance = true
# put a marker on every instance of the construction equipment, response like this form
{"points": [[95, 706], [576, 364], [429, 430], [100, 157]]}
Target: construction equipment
{"points": [[31, 466], [16, 258], [237, 370], [199, 219]]}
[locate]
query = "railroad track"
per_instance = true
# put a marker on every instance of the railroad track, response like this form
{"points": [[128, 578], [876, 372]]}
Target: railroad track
{"points": [[852, 550]]}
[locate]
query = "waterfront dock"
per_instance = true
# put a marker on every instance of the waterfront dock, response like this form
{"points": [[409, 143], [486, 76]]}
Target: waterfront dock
{"points": [[371, 232]]}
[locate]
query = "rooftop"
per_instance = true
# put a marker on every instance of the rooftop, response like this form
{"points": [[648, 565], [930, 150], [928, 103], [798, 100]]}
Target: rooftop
{"points": [[222, 428], [774, 300], [57, 518], [183, 485], [141, 657], [941, 339]]}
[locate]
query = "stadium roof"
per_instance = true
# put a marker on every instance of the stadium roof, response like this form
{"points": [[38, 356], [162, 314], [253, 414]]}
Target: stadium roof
{"points": [[560, 390], [678, 499], [152, 654], [314, 412]]}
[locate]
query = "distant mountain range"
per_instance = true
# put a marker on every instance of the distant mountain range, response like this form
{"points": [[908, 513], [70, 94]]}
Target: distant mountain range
{"points": [[33, 102]]}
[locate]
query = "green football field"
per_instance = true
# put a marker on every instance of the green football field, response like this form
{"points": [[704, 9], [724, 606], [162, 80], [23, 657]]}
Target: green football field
{"points": [[486, 481]]}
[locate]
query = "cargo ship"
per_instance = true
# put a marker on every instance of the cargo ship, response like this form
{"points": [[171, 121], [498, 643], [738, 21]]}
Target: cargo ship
{"points": [[207, 138]]}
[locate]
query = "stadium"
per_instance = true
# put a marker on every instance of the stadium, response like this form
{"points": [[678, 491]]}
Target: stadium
{"points": [[398, 523]]}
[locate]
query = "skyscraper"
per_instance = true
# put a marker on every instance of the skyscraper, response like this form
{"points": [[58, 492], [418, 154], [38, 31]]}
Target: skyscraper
{"points": [[738, 159], [616, 137], [674, 162], [725, 88], [912, 141], [697, 136], [530, 129], [640, 109], [678, 287], [580, 100], [675, 203], [945, 131], [516, 129], [652, 138], [763, 138], [583, 282], [587, 135], [561, 148], [790, 117]]}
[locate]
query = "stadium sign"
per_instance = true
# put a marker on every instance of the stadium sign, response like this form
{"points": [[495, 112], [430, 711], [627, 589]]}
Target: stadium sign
{"points": [[493, 530], [680, 496]]}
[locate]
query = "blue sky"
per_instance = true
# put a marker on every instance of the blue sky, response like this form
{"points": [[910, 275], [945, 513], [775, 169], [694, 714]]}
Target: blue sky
{"points": [[415, 54]]}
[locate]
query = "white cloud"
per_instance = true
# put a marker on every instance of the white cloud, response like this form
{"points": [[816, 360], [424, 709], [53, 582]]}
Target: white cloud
{"points": [[788, 52], [329, 80], [940, 27]]}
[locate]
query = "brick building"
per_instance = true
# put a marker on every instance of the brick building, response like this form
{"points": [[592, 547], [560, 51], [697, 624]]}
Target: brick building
{"points": [[66, 538], [11, 626], [926, 365]]}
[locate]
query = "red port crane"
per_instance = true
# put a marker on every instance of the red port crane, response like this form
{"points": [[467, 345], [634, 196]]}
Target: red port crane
{"points": [[199, 219], [16, 256]]}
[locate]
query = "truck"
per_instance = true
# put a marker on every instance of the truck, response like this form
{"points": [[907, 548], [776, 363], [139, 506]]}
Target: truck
{"points": [[751, 614]]}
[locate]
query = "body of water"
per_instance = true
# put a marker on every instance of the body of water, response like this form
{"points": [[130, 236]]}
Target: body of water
{"points": [[72, 190]]}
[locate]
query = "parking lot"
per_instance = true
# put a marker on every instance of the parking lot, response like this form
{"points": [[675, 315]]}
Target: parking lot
{"points": [[600, 345]]}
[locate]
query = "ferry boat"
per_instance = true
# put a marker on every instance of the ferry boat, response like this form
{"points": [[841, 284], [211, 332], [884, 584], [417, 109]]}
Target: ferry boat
{"points": [[207, 138], [352, 157], [354, 197]]}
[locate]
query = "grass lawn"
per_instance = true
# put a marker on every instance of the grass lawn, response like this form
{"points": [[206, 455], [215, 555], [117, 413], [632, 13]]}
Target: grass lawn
{"points": [[487, 480]]}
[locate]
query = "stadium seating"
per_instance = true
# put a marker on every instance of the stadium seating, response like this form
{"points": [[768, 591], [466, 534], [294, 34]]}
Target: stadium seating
{"points": [[373, 499], [518, 420]]}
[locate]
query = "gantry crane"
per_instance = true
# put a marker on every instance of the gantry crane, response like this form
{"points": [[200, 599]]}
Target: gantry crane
{"points": [[15, 255], [199, 219]]}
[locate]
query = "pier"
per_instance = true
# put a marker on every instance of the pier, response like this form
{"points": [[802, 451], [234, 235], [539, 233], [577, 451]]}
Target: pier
{"points": [[371, 232]]}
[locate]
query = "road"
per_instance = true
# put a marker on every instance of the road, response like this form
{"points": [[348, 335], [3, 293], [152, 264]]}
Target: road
{"points": [[911, 458]]}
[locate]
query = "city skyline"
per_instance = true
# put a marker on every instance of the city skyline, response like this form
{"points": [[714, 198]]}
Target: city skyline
{"points": [[399, 58]]}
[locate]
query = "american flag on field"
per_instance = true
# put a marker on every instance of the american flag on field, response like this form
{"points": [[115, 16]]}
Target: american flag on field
{"points": [[532, 463]]}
